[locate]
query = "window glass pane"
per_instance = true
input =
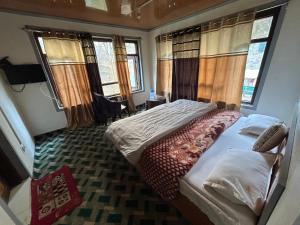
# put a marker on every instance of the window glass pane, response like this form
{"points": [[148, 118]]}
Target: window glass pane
{"points": [[133, 75], [112, 89], [254, 59], [131, 48], [261, 28], [106, 61], [41, 42]]}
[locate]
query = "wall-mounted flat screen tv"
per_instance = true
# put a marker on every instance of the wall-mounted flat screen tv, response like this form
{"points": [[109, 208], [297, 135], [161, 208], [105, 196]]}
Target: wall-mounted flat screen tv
{"points": [[23, 74]]}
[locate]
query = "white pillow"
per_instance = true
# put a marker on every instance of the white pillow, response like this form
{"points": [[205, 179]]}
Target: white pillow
{"points": [[257, 123], [270, 138], [243, 177]]}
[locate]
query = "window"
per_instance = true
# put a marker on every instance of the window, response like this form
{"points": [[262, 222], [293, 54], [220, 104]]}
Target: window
{"points": [[54, 91], [107, 65], [262, 33], [134, 64]]}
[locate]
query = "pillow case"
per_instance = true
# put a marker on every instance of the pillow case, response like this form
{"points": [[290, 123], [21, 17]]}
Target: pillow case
{"points": [[243, 177], [270, 138], [257, 123]]}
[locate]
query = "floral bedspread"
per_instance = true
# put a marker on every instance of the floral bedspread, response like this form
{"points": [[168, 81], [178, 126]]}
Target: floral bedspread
{"points": [[164, 162]]}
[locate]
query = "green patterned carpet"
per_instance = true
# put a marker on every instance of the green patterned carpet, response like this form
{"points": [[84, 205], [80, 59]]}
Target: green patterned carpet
{"points": [[112, 190]]}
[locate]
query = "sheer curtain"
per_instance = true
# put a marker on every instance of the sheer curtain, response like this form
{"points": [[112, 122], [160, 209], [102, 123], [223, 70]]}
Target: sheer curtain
{"points": [[123, 71], [223, 56], [164, 65], [186, 49], [66, 60]]}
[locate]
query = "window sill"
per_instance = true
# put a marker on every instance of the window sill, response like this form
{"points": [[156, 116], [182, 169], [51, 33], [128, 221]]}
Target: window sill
{"points": [[248, 106], [118, 95], [139, 91]]}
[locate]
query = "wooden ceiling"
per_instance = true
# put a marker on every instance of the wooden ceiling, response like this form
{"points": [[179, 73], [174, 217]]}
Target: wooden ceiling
{"points": [[154, 14]]}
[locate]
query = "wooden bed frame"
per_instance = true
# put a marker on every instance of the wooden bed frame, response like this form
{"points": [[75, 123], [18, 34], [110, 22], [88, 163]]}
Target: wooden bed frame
{"points": [[195, 216]]}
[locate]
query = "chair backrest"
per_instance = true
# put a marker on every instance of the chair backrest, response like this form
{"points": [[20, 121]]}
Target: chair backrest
{"points": [[101, 103]]}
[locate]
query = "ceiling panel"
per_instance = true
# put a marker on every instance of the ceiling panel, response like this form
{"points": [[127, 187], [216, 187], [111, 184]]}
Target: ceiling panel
{"points": [[153, 13]]}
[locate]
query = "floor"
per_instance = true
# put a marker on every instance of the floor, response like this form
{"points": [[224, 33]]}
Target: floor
{"points": [[112, 190]]}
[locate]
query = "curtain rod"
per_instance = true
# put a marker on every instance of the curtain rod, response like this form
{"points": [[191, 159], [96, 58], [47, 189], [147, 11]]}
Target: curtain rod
{"points": [[46, 29], [258, 9]]}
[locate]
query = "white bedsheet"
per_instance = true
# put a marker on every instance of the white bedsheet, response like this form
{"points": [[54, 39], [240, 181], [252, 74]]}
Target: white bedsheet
{"points": [[219, 210], [133, 134]]}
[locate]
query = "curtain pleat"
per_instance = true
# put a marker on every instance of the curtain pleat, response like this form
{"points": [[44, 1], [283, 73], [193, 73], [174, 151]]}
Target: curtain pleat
{"points": [[91, 63], [186, 49], [93, 74], [223, 58], [208, 61], [123, 71], [164, 65], [70, 76]]}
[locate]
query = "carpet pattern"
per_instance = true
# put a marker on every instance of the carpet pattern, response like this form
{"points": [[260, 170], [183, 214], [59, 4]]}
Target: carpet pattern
{"points": [[112, 190]]}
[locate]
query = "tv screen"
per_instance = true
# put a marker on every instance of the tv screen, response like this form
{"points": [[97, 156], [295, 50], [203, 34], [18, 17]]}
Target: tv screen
{"points": [[22, 74]]}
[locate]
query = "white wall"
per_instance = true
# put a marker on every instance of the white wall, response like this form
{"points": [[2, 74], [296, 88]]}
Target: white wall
{"points": [[5, 219], [281, 88], [38, 110], [12, 119]]}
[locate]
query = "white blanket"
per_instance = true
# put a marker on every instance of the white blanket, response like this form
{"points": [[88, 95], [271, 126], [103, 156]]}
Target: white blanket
{"points": [[133, 134], [218, 209]]}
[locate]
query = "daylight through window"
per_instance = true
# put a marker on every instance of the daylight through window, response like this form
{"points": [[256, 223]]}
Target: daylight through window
{"points": [[262, 33], [107, 65]]}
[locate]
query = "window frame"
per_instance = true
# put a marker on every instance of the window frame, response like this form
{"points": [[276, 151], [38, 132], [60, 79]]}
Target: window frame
{"points": [[136, 41], [106, 39], [34, 34], [139, 63], [47, 70], [260, 15]]}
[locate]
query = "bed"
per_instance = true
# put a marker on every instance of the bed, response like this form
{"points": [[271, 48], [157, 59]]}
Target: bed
{"points": [[133, 135]]}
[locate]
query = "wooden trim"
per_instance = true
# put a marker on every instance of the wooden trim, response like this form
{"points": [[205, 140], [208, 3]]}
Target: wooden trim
{"points": [[190, 211], [96, 35]]}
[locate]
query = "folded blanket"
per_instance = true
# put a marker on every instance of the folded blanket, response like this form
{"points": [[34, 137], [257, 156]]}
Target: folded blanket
{"points": [[164, 162]]}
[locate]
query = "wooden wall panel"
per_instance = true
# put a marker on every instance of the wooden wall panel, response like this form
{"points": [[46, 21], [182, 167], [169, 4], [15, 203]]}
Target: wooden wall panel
{"points": [[154, 14]]}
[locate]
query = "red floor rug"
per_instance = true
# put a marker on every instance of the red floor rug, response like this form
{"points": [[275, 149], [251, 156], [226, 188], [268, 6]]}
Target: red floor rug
{"points": [[53, 196]]}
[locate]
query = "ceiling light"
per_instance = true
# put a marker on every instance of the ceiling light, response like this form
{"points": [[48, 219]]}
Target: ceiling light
{"points": [[126, 7], [96, 4]]}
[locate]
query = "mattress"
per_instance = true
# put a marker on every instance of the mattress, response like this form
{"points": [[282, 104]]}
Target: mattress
{"points": [[133, 134], [218, 209]]}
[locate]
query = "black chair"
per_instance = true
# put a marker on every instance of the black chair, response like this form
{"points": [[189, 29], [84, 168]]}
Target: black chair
{"points": [[106, 108]]}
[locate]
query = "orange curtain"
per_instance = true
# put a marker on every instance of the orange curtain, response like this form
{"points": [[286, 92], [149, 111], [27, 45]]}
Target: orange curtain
{"points": [[164, 65], [69, 72], [123, 71], [223, 57]]}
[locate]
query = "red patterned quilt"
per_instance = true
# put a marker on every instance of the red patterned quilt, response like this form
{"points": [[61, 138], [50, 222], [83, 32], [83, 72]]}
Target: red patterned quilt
{"points": [[164, 162]]}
